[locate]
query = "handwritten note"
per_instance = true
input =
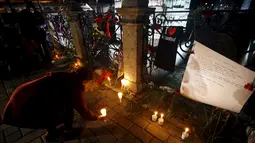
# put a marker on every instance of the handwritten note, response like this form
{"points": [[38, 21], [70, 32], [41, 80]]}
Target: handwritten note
{"points": [[213, 79]]}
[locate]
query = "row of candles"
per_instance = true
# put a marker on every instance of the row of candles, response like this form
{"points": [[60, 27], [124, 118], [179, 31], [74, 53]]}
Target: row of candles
{"points": [[154, 117]]}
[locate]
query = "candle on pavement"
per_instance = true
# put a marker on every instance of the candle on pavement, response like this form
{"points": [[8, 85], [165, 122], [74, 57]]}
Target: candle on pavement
{"points": [[154, 116]]}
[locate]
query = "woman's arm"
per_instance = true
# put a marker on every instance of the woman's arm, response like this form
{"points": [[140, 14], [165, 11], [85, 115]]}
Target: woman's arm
{"points": [[80, 106]]}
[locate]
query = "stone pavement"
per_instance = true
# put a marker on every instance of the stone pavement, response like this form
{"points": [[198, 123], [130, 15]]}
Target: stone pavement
{"points": [[126, 122]]}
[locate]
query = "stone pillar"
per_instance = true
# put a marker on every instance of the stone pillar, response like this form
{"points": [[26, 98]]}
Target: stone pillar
{"points": [[76, 32], [133, 19]]}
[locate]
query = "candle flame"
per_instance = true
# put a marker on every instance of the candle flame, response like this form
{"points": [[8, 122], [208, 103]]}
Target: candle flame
{"points": [[103, 112], [186, 129], [120, 94], [162, 115], [155, 112], [108, 78], [57, 57], [124, 82]]}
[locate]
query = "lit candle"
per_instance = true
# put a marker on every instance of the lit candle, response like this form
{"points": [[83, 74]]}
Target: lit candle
{"points": [[161, 120], [185, 134], [155, 116], [120, 96], [103, 112], [109, 80], [123, 83], [57, 57]]}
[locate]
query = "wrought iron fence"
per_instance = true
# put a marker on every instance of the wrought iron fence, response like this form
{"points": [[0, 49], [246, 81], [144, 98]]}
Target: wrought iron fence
{"points": [[157, 22], [209, 122], [102, 34], [60, 32]]}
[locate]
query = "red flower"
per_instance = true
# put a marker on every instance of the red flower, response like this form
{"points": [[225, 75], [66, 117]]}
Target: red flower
{"points": [[190, 52], [208, 14], [149, 48], [248, 86], [98, 19], [176, 92], [116, 19], [104, 76], [157, 27], [108, 16]]}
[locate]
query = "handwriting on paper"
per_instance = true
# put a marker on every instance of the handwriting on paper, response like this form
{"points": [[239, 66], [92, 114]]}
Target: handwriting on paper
{"points": [[215, 80]]}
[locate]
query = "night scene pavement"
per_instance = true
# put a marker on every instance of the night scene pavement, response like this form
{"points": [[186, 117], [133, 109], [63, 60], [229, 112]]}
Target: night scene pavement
{"points": [[126, 122]]}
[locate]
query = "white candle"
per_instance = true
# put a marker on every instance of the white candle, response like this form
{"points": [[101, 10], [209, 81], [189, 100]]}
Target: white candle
{"points": [[185, 134], [123, 83], [109, 80], [103, 112], [161, 120], [120, 96], [154, 116]]}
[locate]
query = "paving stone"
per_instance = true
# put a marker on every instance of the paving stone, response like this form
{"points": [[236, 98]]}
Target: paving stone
{"points": [[177, 123], [4, 127], [154, 140], [30, 137], [84, 141], [147, 114], [174, 130], [109, 102], [38, 140], [122, 121], [122, 135], [105, 122], [10, 131], [140, 134], [13, 137], [126, 113], [107, 138], [25, 79], [2, 88], [73, 141], [3, 95], [2, 138], [136, 141], [111, 113], [26, 131], [88, 135], [141, 122], [111, 127], [18, 82], [93, 124], [157, 131], [3, 102], [109, 94], [174, 140], [9, 85], [119, 109], [102, 134]]}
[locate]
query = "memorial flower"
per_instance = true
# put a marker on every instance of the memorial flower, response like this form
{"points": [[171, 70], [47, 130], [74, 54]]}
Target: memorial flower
{"points": [[248, 86]]}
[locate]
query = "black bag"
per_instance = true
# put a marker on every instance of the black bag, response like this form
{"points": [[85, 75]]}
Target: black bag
{"points": [[167, 48]]}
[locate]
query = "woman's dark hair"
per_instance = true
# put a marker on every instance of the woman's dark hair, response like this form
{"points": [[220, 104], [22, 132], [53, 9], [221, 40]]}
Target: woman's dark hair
{"points": [[84, 74]]}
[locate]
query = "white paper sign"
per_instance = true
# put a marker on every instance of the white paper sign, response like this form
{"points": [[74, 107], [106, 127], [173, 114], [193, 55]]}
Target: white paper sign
{"points": [[213, 79]]}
